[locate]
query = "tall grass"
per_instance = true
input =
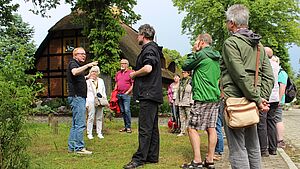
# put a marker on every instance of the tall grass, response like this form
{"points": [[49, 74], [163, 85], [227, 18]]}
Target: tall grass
{"points": [[49, 151]]}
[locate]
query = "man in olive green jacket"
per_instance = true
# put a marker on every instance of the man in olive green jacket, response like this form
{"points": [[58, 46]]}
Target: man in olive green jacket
{"points": [[238, 65], [206, 94]]}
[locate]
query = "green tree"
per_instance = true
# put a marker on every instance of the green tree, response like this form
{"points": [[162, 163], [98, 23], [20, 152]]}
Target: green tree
{"points": [[173, 55], [104, 31], [102, 25], [17, 91], [6, 14], [277, 21]]}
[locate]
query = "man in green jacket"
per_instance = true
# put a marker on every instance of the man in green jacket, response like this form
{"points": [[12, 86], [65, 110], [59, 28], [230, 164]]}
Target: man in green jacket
{"points": [[204, 62], [238, 65]]}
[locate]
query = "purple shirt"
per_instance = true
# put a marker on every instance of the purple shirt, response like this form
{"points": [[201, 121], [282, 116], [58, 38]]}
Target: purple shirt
{"points": [[123, 80]]}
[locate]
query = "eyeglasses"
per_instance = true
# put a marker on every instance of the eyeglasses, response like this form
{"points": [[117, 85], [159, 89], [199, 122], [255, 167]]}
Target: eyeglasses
{"points": [[80, 53], [123, 63]]}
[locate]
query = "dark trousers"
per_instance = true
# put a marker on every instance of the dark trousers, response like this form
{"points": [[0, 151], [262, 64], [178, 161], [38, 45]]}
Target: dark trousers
{"points": [[148, 150], [175, 115], [266, 128]]}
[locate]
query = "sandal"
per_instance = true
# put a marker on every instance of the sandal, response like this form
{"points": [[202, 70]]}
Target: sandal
{"points": [[129, 130], [123, 130], [217, 157], [192, 165], [209, 165]]}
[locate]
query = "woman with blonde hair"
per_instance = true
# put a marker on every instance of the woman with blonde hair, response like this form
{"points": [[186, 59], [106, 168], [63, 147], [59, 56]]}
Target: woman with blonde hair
{"points": [[95, 88]]}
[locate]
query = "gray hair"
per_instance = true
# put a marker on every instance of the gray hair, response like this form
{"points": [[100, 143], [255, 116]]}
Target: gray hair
{"points": [[95, 69], [147, 31], [206, 38], [125, 61], [239, 14]]}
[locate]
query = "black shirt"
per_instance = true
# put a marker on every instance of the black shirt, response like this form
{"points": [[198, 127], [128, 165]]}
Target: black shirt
{"points": [[76, 84], [149, 87]]}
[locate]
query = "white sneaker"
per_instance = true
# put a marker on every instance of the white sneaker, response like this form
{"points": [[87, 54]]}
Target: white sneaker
{"points": [[84, 151], [180, 134], [90, 137], [100, 136]]}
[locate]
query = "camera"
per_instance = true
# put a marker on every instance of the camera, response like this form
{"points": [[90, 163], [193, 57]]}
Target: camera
{"points": [[99, 95]]}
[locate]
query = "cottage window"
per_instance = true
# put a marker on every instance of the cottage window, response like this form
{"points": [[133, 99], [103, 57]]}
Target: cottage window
{"points": [[69, 44]]}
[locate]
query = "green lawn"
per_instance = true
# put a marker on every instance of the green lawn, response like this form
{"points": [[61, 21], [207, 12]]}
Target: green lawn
{"points": [[49, 151]]}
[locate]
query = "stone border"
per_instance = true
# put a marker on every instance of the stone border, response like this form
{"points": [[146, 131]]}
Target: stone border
{"points": [[287, 159]]}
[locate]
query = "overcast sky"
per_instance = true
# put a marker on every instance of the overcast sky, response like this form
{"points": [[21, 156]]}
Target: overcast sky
{"points": [[159, 13]]}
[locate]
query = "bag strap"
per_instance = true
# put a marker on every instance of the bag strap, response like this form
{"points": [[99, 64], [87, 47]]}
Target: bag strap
{"points": [[257, 66]]}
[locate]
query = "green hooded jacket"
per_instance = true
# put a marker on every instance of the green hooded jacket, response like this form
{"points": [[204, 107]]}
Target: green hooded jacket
{"points": [[238, 65], [206, 74]]}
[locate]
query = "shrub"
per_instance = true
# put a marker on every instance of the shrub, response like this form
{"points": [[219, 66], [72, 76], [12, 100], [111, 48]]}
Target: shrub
{"points": [[15, 101], [54, 103], [42, 110], [165, 108], [134, 108], [17, 91]]}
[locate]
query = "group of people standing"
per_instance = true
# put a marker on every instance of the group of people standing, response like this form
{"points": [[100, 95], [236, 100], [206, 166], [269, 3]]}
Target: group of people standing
{"points": [[84, 90], [199, 98], [233, 74], [95, 89], [180, 100]]}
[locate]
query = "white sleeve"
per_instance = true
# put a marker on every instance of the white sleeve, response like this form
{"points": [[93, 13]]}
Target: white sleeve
{"points": [[102, 87]]}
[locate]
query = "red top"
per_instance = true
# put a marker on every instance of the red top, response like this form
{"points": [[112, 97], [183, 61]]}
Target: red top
{"points": [[123, 81]]}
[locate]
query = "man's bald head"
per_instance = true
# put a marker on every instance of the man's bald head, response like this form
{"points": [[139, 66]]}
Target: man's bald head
{"points": [[269, 51]]}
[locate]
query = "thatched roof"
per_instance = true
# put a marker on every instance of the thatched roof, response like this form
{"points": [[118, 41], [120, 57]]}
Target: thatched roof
{"points": [[66, 23], [128, 44]]}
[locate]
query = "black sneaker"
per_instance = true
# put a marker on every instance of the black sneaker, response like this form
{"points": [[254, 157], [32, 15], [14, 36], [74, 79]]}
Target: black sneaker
{"points": [[272, 152], [264, 154], [132, 165]]}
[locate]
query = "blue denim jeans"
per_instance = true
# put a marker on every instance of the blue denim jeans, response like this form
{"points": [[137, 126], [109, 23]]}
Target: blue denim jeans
{"points": [[220, 142], [75, 142], [124, 103]]}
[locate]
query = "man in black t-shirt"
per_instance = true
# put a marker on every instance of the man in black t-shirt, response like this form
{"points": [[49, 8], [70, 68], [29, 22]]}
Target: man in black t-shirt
{"points": [[148, 90], [77, 99]]}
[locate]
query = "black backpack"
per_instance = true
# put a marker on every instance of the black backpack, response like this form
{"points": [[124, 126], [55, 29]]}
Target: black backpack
{"points": [[290, 90]]}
